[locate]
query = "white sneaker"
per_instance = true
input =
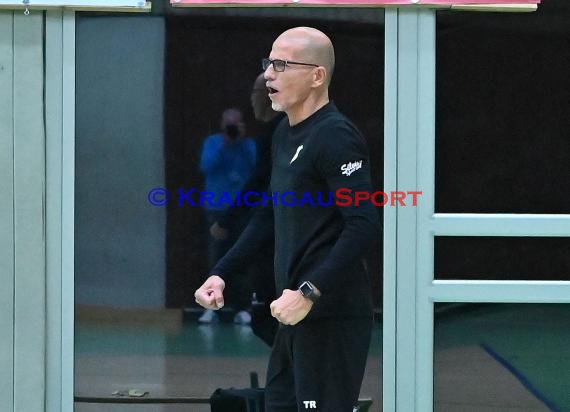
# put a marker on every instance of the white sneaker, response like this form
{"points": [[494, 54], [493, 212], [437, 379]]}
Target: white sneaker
{"points": [[209, 316], [242, 318]]}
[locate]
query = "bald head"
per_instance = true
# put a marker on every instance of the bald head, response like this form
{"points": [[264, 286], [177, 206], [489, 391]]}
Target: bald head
{"points": [[310, 46]]}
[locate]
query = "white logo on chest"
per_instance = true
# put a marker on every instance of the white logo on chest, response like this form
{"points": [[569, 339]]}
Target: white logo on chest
{"points": [[296, 154], [351, 167]]}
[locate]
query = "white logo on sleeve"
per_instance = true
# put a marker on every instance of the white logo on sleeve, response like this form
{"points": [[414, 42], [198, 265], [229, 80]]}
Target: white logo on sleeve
{"points": [[310, 404], [351, 167], [296, 154]]}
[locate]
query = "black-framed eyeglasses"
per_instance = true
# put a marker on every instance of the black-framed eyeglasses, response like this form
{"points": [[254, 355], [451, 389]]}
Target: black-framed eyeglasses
{"points": [[279, 65]]}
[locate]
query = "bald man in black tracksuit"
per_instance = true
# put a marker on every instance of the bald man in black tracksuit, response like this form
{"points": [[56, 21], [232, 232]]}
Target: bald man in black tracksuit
{"points": [[325, 307]]}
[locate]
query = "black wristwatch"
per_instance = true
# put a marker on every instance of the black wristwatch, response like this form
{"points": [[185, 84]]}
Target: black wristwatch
{"points": [[309, 291]]}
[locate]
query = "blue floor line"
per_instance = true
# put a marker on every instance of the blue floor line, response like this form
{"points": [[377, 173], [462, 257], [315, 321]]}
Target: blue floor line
{"points": [[521, 378]]}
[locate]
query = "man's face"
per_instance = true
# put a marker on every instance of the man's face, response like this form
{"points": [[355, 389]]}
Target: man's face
{"points": [[289, 89]]}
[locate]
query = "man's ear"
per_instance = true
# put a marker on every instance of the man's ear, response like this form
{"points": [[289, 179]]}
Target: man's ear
{"points": [[319, 76]]}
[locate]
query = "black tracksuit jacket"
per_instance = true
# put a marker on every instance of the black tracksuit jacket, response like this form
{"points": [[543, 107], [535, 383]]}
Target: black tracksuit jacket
{"points": [[315, 238]]}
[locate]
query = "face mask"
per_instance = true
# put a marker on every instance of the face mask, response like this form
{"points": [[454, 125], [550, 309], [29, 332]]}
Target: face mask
{"points": [[232, 131]]}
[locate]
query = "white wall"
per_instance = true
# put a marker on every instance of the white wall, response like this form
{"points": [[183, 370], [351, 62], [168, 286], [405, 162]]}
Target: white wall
{"points": [[22, 213]]}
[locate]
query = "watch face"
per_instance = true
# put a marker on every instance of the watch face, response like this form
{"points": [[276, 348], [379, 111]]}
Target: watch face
{"points": [[308, 291]]}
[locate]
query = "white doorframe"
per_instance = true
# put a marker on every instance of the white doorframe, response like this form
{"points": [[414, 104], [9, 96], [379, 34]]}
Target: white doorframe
{"points": [[60, 92], [7, 227], [60, 177], [411, 131], [409, 126], [389, 284], [410, 290]]}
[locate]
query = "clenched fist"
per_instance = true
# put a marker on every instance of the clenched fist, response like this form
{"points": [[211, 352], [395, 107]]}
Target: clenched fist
{"points": [[291, 308], [210, 295]]}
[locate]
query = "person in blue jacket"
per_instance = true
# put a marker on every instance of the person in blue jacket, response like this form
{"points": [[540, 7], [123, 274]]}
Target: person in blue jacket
{"points": [[228, 160]]}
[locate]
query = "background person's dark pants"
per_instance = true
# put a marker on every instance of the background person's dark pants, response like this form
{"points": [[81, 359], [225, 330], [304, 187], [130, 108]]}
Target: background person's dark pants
{"points": [[237, 293], [318, 365], [261, 270]]}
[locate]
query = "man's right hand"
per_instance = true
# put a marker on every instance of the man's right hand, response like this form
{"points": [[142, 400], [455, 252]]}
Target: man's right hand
{"points": [[210, 294]]}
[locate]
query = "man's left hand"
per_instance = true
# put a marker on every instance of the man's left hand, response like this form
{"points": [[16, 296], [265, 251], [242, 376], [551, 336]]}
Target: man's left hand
{"points": [[291, 308]]}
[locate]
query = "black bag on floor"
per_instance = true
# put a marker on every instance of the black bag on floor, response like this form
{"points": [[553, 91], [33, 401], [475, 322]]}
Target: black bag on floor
{"points": [[238, 400]]}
